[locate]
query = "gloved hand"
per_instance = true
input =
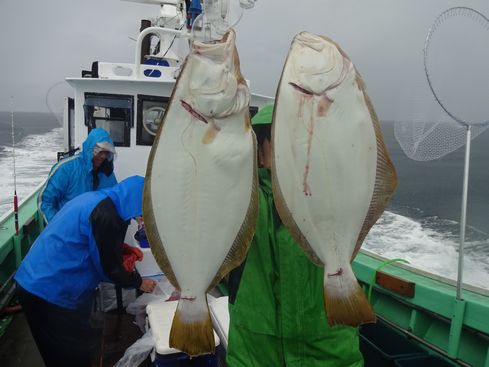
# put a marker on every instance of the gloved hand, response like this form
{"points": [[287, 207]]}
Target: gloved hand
{"points": [[129, 257]]}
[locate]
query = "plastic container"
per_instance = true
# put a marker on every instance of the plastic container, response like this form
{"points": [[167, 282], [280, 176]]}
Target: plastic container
{"points": [[423, 361], [382, 345]]}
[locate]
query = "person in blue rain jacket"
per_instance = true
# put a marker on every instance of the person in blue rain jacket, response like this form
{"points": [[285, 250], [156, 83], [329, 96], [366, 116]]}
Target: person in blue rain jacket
{"points": [[90, 170], [81, 246]]}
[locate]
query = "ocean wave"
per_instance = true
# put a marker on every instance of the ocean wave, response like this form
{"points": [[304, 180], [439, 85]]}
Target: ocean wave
{"points": [[34, 157], [427, 248]]}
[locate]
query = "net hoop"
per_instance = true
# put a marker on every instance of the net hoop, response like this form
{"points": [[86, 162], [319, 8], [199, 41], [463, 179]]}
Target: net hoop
{"points": [[455, 11]]}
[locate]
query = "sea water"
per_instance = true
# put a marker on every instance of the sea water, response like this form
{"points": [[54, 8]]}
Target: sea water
{"points": [[421, 224], [38, 138]]}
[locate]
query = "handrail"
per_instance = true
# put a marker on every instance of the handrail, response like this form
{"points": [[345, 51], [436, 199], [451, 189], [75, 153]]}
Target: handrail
{"points": [[153, 30]]}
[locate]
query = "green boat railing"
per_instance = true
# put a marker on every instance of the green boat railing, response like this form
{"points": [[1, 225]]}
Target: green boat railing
{"points": [[458, 329], [14, 247], [431, 315]]}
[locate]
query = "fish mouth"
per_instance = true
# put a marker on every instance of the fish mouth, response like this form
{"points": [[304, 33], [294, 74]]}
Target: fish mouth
{"points": [[193, 112]]}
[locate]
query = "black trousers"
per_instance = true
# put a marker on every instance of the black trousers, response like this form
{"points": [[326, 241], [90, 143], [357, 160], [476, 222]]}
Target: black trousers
{"points": [[63, 336]]}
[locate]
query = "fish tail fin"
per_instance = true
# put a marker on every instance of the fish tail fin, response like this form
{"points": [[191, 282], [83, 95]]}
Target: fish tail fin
{"points": [[191, 330], [344, 300]]}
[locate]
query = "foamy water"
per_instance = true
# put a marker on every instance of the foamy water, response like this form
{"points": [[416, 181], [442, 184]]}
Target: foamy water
{"points": [[429, 244], [429, 249], [34, 157]]}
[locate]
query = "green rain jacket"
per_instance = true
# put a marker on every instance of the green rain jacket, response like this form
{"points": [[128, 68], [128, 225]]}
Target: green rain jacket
{"points": [[278, 317]]}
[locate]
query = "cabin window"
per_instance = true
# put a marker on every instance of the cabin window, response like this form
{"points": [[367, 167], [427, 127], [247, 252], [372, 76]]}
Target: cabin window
{"points": [[151, 110], [111, 112]]}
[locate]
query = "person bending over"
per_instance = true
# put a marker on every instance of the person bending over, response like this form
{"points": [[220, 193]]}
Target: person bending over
{"points": [[81, 246]]}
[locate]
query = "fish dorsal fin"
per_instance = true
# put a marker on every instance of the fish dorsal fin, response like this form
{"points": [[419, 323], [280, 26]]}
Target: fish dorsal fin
{"points": [[385, 178]]}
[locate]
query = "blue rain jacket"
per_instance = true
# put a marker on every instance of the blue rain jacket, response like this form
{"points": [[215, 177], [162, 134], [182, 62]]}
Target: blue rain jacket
{"points": [[73, 176], [63, 265]]}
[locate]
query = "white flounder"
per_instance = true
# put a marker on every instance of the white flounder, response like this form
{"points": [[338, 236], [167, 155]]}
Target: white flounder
{"points": [[332, 175], [200, 196]]}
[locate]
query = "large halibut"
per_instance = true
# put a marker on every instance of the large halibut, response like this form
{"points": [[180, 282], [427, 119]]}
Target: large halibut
{"points": [[332, 175], [200, 196]]}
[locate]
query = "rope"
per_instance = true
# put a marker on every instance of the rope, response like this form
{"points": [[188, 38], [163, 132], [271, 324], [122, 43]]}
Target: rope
{"points": [[387, 262]]}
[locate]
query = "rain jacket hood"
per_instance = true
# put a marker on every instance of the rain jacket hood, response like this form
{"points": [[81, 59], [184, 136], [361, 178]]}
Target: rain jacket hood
{"points": [[97, 135], [127, 197], [73, 176]]}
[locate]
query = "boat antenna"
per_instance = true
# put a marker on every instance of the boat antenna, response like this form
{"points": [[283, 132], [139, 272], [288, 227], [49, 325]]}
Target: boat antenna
{"points": [[16, 204]]}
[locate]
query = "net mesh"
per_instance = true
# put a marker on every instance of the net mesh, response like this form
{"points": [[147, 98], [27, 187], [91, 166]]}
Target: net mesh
{"points": [[456, 61]]}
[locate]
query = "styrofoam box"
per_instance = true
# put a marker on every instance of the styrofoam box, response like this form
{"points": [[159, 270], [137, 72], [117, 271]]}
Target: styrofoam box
{"points": [[220, 317], [148, 267], [160, 317]]}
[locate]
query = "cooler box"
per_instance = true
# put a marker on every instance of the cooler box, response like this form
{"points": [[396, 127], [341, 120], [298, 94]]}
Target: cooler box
{"points": [[220, 317], [160, 317], [148, 267]]}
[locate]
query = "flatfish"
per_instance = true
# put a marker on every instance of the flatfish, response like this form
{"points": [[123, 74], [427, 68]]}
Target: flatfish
{"points": [[200, 195], [332, 175]]}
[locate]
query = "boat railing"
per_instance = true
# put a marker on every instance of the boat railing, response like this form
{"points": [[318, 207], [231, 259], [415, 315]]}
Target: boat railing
{"points": [[425, 305], [161, 33], [13, 247], [427, 274]]}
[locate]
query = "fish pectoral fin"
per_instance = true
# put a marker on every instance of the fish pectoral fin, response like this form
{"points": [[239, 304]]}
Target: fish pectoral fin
{"points": [[191, 330], [344, 300], [210, 134]]}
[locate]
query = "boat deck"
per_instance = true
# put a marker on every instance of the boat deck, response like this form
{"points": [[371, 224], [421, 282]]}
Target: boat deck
{"points": [[17, 347]]}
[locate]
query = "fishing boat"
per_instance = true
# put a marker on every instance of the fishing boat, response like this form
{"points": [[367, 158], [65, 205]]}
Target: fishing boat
{"points": [[422, 319]]}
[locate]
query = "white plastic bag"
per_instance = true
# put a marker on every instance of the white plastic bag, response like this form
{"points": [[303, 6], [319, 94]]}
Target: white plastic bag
{"points": [[163, 291], [138, 352]]}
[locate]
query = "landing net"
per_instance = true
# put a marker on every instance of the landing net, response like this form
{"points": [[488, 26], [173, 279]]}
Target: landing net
{"points": [[456, 65]]}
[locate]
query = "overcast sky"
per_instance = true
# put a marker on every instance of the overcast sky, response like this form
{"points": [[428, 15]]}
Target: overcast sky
{"points": [[42, 42]]}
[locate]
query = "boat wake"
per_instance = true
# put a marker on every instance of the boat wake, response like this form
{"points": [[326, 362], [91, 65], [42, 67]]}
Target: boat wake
{"points": [[34, 157], [431, 244]]}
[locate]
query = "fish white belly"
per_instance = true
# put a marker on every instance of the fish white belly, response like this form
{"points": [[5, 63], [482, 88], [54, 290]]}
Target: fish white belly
{"points": [[326, 168], [202, 198]]}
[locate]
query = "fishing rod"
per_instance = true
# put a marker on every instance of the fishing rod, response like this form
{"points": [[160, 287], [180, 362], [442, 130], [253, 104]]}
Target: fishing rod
{"points": [[16, 204]]}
